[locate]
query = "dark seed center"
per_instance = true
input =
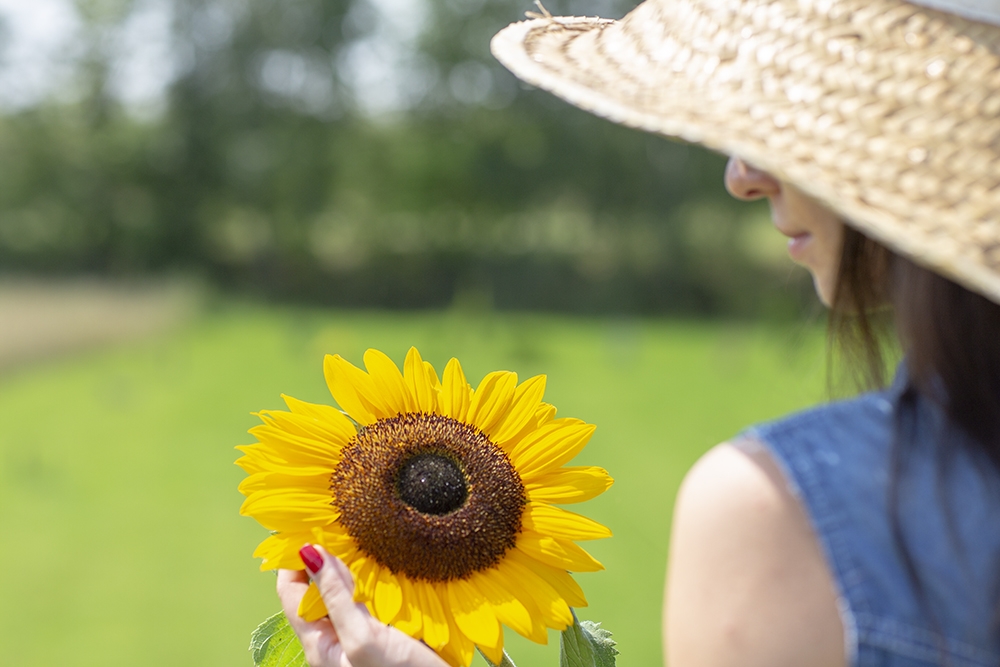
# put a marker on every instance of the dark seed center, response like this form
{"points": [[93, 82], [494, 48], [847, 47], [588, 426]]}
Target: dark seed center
{"points": [[432, 484]]}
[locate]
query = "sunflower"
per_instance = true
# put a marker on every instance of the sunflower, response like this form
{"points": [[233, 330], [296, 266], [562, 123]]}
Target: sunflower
{"points": [[439, 498]]}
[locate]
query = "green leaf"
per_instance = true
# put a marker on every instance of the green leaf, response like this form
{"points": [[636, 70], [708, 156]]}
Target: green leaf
{"points": [[586, 644], [506, 662], [274, 644]]}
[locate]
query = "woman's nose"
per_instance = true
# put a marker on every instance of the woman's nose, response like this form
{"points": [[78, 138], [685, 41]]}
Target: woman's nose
{"points": [[748, 183]]}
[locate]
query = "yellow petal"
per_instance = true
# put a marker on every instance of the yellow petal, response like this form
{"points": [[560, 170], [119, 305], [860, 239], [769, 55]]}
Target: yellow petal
{"points": [[432, 375], [544, 413], [550, 446], [282, 551], [389, 382], [522, 417], [365, 572], [388, 596], [459, 648], [314, 479], [323, 418], [284, 510], [556, 552], [435, 622], [491, 401], [568, 485], [557, 522], [311, 607], [296, 448], [354, 390], [253, 460], [508, 609], [539, 632], [473, 613], [560, 580], [421, 384], [335, 539], [455, 392], [409, 620], [554, 609]]}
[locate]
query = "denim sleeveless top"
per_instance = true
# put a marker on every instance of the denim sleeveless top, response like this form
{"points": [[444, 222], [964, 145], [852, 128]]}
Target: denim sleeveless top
{"points": [[838, 460]]}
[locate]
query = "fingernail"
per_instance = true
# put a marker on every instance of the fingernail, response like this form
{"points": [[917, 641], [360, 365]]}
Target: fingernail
{"points": [[313, 561]]}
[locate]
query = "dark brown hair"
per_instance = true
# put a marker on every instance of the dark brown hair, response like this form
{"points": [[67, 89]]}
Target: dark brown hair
{"points": [[949, 334], [950, 337]]}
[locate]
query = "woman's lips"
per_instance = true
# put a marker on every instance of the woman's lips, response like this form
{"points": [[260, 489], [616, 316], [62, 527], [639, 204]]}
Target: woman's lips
{"points": [[798, 245]]}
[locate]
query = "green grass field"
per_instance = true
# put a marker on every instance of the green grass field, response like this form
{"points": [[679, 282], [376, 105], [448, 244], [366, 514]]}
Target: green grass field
{"points": [[122, 544]]}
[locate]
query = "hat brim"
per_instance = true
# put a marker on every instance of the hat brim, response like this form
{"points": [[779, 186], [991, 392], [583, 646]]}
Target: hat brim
{"points": [[896, 162]]}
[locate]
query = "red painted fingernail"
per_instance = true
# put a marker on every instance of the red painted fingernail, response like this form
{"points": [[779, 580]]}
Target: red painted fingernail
{"points": [[313, 561]]}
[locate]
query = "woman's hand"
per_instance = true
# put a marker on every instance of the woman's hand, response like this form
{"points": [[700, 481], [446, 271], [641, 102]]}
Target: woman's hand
{"points": [[350, 636]]}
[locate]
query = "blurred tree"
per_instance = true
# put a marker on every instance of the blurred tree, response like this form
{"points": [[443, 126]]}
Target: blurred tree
{"points": [[371, 152]]}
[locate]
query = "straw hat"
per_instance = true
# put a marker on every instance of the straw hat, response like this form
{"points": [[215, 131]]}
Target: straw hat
{"points": [[886, 111]]}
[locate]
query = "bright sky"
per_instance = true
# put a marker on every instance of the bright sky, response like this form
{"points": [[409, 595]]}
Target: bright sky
{"points": [[39, 50], [40, 47], [35, 49]]}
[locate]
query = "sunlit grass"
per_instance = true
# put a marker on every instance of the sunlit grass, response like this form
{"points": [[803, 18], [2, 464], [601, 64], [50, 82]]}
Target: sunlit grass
{"points": [[118, 501]]}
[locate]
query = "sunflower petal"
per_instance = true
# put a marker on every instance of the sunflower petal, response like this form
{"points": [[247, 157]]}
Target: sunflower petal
{"points": [[285, 510], [539, 631], [297, 449], [555, 612], [550, 447], [552, 551], [569, 485], [421, 384], [389, 382], [491, 400], [253, 460], [544, 413], [409, 620], [459, 646], [388, 596], [473, 613], [337, 433], [509, 610], [354, 390], [432, 375], [311, 607], [557, 522], [324, 418], [435, 621], [522, 413], [365, 573], [315, 479], [282, 551], [557, 577], [455, 392]]}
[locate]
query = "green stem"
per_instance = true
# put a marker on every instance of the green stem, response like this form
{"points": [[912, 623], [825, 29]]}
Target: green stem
{"points": [[506, 662]]}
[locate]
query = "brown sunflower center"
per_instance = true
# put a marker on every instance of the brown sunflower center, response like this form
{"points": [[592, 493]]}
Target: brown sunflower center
{"points": [[428, 496]]}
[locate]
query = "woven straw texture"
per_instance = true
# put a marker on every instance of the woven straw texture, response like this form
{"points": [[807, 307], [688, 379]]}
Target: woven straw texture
{"points": [[887, 112]]}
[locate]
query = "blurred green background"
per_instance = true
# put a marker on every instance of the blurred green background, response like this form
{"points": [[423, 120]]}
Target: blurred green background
{"points": [[199, 198], [118, 500]]}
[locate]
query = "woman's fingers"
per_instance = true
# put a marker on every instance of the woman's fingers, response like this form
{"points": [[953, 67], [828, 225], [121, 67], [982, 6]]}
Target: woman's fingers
{"points": [[351, 619], [292, 585], [350, 636], [319, 639]]}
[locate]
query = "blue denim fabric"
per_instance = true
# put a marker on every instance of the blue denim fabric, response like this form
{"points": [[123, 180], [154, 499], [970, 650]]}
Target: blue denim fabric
{"points": [[837, 459]]}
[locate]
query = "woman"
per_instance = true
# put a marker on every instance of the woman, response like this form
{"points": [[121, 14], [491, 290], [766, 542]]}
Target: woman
{"points": [[862, 532]]}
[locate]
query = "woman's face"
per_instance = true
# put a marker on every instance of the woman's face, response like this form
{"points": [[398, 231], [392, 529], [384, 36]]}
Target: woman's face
{"points": [[815, 233]]}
